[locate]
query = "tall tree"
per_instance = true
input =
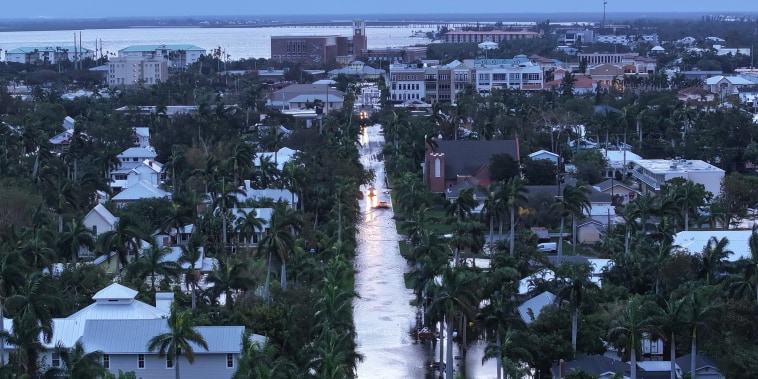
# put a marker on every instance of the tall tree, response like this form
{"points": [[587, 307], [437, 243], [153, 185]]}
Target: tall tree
{"points": [[180, 338], [572, 202], [574, 284], [280, 239], [627, 328], [700, 311], [668, 317]]}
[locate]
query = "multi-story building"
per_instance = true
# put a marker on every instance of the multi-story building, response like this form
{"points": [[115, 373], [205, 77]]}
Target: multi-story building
{"points": [[408, 54], [632, 63], [627, 39], [177, 56], [48, 54], [458, 36], [652, 173], [517, 73], [320, 49], [407, 81], [129, 71]]}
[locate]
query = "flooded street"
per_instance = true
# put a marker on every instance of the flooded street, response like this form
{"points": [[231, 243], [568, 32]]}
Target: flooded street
{"points": [[383, 313]]}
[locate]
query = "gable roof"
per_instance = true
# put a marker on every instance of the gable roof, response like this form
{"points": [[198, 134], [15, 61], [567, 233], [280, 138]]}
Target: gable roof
{"points": [[132, 336], [541, 152], [606, 185], [104, 213], [701, 361], [466, 157], [141, 190], [595, 365], [138, 152], [115, 291], [535, 305], [595, 196]]}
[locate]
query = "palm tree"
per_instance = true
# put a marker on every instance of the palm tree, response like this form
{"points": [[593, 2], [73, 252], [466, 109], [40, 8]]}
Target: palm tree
{"points": [[462, 206], [267, 172], [180, 338], [153, 262], [25, 336], [499, 316], [574, 286], [248, 224], [493, 210], [75, 237], [573, 201], [629, 325], [78, 363], [513, 194], [240, 160], [687, 196], [11, 277], [280, 239], [125, 239], [230, 277], [713, 256], [668, 318], [509, 356], [700, 311], [226, 200], [453, 296]]}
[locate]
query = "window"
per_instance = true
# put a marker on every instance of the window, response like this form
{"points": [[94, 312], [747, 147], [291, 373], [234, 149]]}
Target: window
{"points": [[169, 362], [94, 229], [56, 361], [141, 361], [106, 361], [230, 360]]}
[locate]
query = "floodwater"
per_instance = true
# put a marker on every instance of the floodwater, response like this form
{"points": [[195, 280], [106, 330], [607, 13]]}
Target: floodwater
{"points": [[383, 313]]}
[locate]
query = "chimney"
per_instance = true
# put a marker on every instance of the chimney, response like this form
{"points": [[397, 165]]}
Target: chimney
{"points": [[163, 301]]}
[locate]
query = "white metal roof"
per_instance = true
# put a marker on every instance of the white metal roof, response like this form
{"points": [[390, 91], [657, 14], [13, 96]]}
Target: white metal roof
{"points": [[141, 190], [138, 152], [104, 213], [115, 291], [133, 336], [694, 241], [535, 304]]}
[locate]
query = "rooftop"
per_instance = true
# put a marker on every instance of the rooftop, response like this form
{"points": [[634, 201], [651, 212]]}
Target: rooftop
{"points": [[669, 166], [146, 48]]}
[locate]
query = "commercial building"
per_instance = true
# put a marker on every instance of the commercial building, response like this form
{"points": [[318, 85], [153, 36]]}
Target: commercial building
{"points": [[320, 49], [517, 73]]}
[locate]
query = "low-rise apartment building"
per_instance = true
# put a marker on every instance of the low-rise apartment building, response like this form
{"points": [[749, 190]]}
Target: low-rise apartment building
{"points": [[652, 173], [48, 54], [129, 71], [177, 56]]}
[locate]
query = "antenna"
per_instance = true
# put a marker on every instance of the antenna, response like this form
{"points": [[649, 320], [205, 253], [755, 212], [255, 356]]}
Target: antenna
{"points": [[602, 26]]}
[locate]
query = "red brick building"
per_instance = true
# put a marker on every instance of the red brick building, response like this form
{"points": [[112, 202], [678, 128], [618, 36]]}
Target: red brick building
{"points": [[454, 162], [316, 50]]}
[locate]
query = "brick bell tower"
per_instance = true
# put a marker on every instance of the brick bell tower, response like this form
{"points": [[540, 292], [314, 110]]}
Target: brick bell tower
{"points": [[360, 42]]}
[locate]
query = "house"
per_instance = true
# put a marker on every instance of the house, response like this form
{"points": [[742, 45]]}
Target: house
{"points": [[296, 96], [134, 156], [141, 137], [120, 327], [652, 173], [280, 157], [359, 69], [452, 162], [694, 241], [597, 267], [723, 86], [544, 154], [617, 161], [598, 366], [589, 231], [705, 367], [147, 171], [100, 220], [582, 84], [695, 95], [272, 194], [657, 369], [61, 140], [530, 309], [618, 190], [140, 190]]}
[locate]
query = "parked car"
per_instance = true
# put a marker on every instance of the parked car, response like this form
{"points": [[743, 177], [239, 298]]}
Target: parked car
{"points": [[548, 247], [382, 205]]}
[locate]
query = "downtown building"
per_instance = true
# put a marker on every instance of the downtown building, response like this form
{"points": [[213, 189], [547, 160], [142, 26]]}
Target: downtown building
{"points": [[316, 50]]}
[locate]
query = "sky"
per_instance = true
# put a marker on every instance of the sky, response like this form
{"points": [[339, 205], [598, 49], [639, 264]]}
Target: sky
{"points": [[163, 8]]}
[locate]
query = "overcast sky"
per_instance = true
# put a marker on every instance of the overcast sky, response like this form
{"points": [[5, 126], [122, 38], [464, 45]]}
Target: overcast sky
{"points": [[130, 8]]}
